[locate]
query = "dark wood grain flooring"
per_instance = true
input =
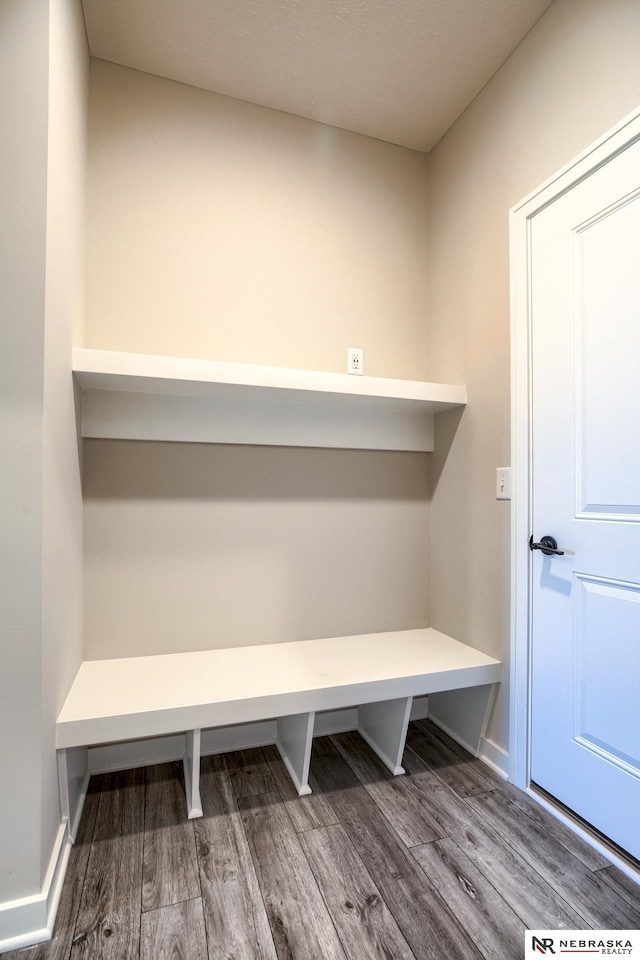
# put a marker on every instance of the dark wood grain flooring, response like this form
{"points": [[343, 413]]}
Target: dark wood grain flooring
{"points": [[364, 922], [108, 922], [445, 863], [174, 932], [235, 916], [297, 913], [169, 866]]}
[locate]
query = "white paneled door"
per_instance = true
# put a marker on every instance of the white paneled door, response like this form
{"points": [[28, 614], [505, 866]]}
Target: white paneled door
{"points": [[585, 349]]}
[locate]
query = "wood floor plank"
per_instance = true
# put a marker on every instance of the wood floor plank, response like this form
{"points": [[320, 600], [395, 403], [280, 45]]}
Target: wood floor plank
{"points": [[554, 828], [407, 814], [59, 947], [624, 886], [492, 924], [591, 897], [306, 813], [363, 920], [174, 932], [108, 923], [301, 925], [466, 775], [250, 772], [527, 893], [426, 923], [234, 913], [170, 864]]}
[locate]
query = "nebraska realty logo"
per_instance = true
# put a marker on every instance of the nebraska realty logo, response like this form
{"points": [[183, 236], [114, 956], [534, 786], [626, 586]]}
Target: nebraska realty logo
{"points": [[606, 943]]}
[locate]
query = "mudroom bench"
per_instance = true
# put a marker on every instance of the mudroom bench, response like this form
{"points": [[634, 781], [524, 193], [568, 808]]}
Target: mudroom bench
{"points": [[138, 697]]}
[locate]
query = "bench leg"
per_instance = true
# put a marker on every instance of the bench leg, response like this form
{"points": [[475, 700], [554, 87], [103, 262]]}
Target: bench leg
{"points": [[63, 787], [491, 702], [295, 734], [384, 726], [192, 774], [464, 714], [73, 781]]}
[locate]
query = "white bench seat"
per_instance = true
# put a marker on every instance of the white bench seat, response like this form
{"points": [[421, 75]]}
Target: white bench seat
{"points": [[137, 697]]}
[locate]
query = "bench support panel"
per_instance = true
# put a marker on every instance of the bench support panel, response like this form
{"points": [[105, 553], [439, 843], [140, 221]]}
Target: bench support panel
{"points": [[474, 704], [295, 735], [192, 774], [73, 781], [384, 726], [63, 787]]}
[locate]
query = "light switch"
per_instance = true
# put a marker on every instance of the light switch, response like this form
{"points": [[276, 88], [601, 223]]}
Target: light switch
{"points": [[503, 483]]}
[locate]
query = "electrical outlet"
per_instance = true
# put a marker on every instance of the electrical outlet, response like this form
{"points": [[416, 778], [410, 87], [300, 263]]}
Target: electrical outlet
{"points": [[503, 483], [354, 360]]}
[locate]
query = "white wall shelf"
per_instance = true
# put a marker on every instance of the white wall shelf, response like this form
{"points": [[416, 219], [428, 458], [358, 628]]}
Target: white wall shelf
{"points": [[141, 397]]}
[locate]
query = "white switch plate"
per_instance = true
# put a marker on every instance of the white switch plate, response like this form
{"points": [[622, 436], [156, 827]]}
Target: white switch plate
{"points": [[503, 483], [354, 360]]}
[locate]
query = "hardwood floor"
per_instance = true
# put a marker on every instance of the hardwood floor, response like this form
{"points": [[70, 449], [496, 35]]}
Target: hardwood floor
{"points": [[445, 863]]}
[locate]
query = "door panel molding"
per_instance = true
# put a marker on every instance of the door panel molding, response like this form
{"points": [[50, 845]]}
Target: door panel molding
{"points": [[603, 357], [610, 601]]}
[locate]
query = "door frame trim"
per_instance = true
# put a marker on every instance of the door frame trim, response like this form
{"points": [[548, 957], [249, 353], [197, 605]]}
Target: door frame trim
{"points": [[520, 218]]}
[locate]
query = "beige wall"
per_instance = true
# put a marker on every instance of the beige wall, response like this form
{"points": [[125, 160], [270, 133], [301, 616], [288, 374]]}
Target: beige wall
{"points": [[223, 230], [575, 75], [190, 546]]}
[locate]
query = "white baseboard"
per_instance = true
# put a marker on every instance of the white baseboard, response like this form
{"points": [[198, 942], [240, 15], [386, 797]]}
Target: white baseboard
{"points": [[76, 814], [488, 751], [30, 920], [495, 757]]}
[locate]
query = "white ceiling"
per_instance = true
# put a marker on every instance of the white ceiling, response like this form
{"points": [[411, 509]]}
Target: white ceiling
{"points": [[398, 70]]}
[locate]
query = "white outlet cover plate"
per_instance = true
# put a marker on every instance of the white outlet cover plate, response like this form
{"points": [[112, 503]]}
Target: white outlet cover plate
{"points": [[355, 360]]}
